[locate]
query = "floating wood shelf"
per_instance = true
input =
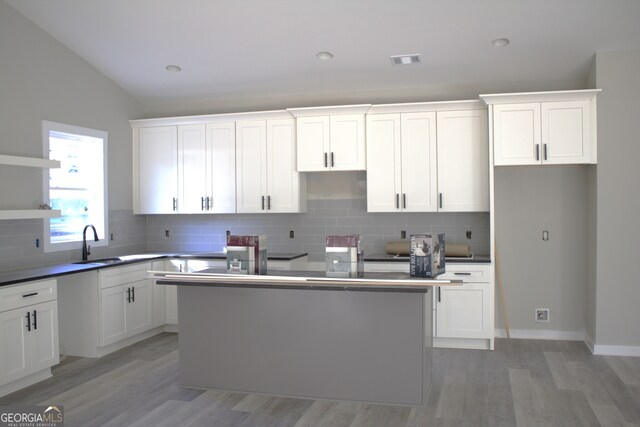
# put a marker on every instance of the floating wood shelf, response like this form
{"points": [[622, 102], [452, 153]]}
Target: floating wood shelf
{"points": [[29, 214], [29, 162]]}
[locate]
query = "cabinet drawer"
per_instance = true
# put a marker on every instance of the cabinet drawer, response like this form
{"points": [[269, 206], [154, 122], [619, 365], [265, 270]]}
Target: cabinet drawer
{"points": [[120, 275], [24, 294], [478, 273]]}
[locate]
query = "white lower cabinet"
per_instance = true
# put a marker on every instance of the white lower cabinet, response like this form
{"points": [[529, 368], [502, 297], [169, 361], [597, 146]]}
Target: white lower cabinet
{"points": [[28, 333], [462, 314], [125, 303]]}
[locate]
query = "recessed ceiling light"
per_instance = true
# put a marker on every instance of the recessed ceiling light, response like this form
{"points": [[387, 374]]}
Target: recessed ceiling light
{"points": [[405, 59], [501, 42], [173, 68], [325, 56]]}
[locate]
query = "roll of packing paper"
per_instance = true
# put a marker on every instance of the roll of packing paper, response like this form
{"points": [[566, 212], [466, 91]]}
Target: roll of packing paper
{"points": [[401, 247]]}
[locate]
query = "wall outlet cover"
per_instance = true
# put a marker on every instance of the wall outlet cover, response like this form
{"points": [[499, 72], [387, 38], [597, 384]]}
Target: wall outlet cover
{"points": [[542, 315]]}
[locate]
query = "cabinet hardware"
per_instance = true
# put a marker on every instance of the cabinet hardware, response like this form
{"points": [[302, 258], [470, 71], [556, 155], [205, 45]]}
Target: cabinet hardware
{"points": [[175, 204], [35, 319], [268, 203], [28, 321], [325, 160], [545, 151], [440, 200], [333, 163], [201, 203], [209, 200], [33, 294], [439, 294], [537, 151], [404, 200], [262, 202], [462, 274], [128, 294], [397, 200], [133, 294]]}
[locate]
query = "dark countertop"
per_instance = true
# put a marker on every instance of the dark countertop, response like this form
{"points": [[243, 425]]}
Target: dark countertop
{"points": [[304, 280], [479, 259], [39, 273]]}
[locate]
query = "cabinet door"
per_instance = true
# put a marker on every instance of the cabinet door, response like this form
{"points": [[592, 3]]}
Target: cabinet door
{"points": [[516, 134], [251, 174], [283, 181], [463, 311], [139, 318], [157, 170], [221, 167], [14, 361], [419, 162], [43, 338], [312, 143], [159, 296], [463, 161], [384, 162], [347, 142], [566, 132], [113, 314], [192, 166]]}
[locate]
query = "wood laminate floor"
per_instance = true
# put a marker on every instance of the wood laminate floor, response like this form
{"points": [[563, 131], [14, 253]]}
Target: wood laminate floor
{"points": [[522, 382]]}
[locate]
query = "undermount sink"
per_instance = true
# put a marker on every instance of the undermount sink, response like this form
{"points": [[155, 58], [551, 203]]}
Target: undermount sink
{"points": [[100, 261]]}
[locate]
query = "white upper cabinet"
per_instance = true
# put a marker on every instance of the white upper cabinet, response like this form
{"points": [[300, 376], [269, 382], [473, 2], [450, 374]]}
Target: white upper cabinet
{"points": [[265, 169], [156, 170], [221, 168], [544, 127], [330, 138], [401, 159], [463, 161], [192, 167]]}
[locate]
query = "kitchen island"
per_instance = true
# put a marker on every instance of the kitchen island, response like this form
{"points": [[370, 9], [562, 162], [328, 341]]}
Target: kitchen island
{"points": [[303, 334]]}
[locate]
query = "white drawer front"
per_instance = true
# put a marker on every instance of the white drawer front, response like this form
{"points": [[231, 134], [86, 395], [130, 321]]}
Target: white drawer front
{"points": [[478, 273], [115, 276], [24, 294]]}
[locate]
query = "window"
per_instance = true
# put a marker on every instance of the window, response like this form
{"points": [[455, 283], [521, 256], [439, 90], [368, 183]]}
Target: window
{"points": [[78, 187]]}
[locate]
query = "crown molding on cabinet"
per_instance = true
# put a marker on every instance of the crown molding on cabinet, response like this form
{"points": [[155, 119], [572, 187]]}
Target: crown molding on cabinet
{"points": [[420, 107], [331, 110], [561, 95], [28, 162], [211, 118]]}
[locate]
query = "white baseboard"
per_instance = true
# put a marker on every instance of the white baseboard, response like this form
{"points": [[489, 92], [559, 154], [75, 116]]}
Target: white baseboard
{"points": [[21, 383], [611, 350], [589, 342], [540, 334]]}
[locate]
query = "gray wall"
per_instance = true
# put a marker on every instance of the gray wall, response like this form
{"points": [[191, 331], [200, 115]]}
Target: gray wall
{"points": [[40, 79], [592, 233], [536, 273], [618, 203]]}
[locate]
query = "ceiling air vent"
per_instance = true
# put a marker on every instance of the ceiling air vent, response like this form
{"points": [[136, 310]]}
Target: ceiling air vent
{"points": [[405, 59]]}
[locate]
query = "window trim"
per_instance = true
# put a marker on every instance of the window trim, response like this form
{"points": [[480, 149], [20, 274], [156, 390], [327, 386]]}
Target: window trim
{"points": [[48, 126]]}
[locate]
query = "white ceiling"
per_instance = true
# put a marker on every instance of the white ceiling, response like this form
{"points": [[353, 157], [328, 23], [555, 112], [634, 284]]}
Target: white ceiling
{"points": [[266, 48]]}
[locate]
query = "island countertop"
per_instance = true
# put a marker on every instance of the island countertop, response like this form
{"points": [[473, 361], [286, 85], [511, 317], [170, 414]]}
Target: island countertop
{"points": [[311, 280]]}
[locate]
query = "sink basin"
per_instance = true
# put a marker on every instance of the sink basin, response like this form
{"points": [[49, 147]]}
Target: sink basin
{"points": [[100, 261]]}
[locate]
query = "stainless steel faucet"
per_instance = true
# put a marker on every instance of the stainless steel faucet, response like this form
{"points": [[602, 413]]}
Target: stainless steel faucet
{"points": [[86, 249]]}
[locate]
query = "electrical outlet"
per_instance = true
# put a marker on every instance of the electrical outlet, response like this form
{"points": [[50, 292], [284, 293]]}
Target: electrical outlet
{"points": [[166, 233], [403, 234], [469, 234], [37, 243], [542, 314], [545, 235], [111, 236], [291, 234]]}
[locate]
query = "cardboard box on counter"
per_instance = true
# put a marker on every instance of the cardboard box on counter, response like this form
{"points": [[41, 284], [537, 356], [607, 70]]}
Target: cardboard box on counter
{"points": [[426, 258]]}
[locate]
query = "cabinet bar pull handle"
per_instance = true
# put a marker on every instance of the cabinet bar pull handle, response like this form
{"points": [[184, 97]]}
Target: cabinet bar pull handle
{"points": [[268, 203], [404, 200], [28, 321], [545, 152], [333, 163], [462, 274], [133, 294], [128, 294], [33, 294], [537, 151], [35, 319], [325, 160], [440, 200], [439, 294], [175, 204], [201, 203], [262, 202], [208, 205], [397, 200]]}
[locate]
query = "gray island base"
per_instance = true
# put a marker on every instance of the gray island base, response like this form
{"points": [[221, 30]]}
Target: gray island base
{"points": [[342, 340]]}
